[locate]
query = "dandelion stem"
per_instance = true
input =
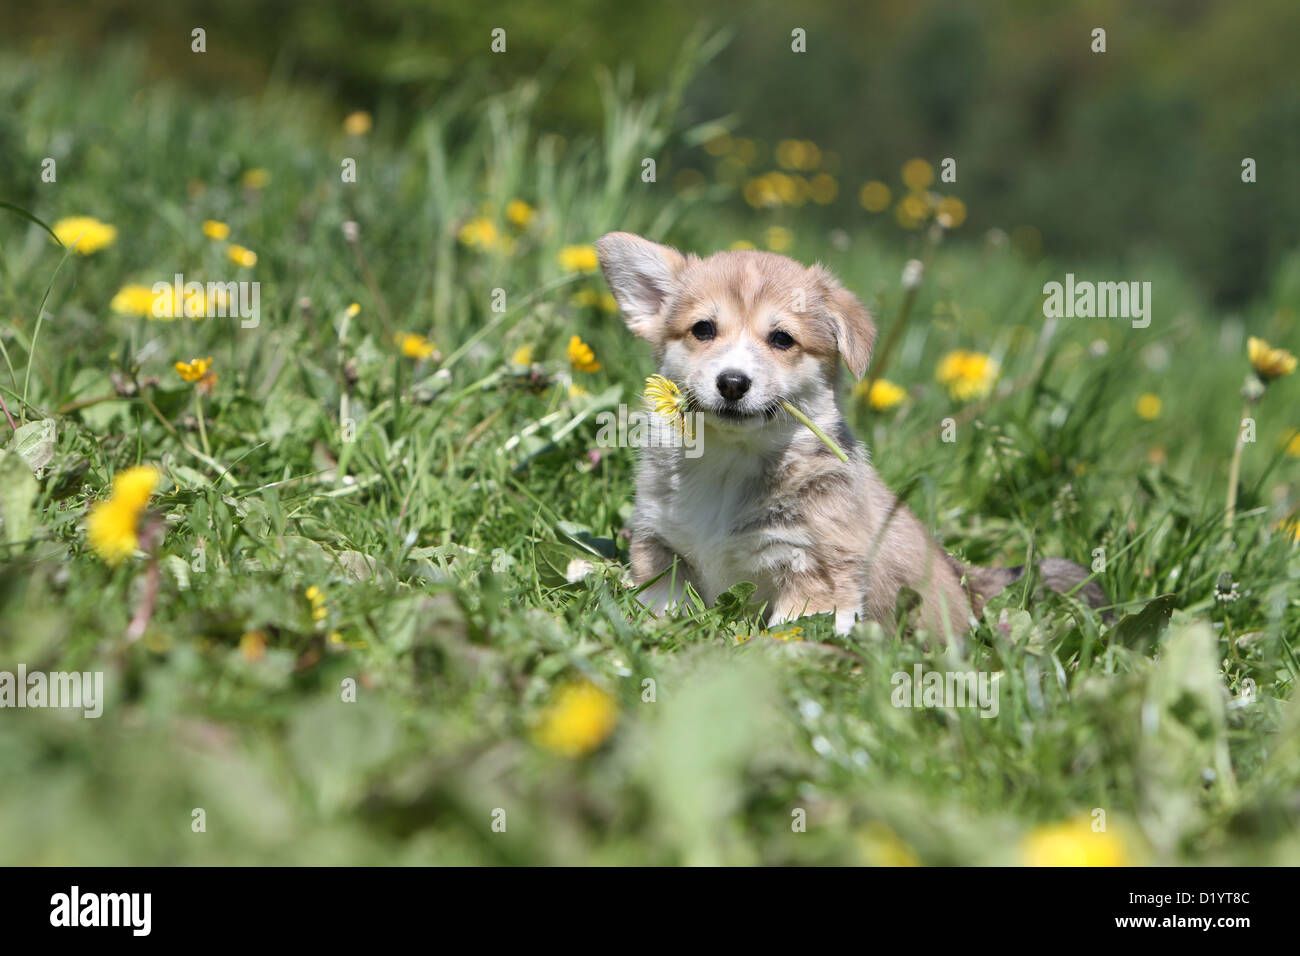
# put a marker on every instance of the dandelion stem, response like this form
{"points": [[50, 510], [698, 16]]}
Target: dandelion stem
{"points": [[203, 429], [825, 438], [222, 471], [1234, 471]]}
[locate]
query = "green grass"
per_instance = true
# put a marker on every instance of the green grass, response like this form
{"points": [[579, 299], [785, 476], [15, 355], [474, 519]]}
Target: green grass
{"points": [[441, 535]]}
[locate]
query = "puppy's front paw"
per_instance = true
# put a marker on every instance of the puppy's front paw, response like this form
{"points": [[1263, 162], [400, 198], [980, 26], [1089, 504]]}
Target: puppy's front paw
{"points": [[844, 619], [661, 597]]}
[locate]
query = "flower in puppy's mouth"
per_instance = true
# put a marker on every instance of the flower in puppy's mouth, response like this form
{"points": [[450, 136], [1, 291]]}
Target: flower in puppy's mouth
{"points": [[668, 401]]}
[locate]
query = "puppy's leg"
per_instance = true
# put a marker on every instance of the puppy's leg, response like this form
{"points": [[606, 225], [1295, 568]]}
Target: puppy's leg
{"points": [[652, 559]]}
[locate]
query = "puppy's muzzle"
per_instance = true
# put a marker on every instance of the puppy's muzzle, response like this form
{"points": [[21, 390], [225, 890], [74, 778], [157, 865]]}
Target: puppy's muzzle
{"points": [[733, 385]]}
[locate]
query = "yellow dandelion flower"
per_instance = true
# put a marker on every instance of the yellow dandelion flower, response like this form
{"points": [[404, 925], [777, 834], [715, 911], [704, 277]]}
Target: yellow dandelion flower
{"points": [[133, 486], [759, 192], [89, 234], [787, 634], [1149, 406], [778, 238], [353, 310], [112, 525], [480, 233], [823, 189], [742, 244], [881, 395], [241, 256], [785, 187], [357, 123], [912, 210], [579, 259], [718, 145], [917, 174], [810, 155], [579, 719], [194, 369], [797, 154], [576, 391], [519, 213], [667, 400], [951, 212], [967, 375], [133, 300], [581, 356], [1073, 843], [522, 355], [252, 645], [789, 153], [1269, 362], [413, 345], [111, 530], [874, 196], [214, 229], [256, 178], [320, 612]]}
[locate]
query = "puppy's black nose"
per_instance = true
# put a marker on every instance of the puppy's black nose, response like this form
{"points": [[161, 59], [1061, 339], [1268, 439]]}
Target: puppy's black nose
{"points": [[733, 385]]}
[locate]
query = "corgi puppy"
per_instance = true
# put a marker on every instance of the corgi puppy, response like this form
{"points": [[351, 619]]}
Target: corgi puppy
{"points": [[767, 501]]}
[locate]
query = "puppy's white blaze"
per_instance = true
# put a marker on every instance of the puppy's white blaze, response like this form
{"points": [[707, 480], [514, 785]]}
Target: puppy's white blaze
{"points": [[740, 357]]}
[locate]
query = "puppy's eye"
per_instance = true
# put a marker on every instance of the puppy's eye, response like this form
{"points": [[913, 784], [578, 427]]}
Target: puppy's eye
{"points": [[704, 330], [780, 339]]}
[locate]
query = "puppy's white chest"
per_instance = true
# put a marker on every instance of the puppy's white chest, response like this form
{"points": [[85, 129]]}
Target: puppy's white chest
{"points": [[714, 518]]}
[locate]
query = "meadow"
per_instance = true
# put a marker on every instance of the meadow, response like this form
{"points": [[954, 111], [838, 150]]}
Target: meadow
{"points": [[373, 607]]}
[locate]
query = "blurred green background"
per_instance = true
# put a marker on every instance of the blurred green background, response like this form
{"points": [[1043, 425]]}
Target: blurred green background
{"points": [[1134, 151]]}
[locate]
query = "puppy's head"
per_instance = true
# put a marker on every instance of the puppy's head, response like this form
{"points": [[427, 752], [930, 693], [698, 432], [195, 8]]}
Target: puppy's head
{"points": [[739, 330]]}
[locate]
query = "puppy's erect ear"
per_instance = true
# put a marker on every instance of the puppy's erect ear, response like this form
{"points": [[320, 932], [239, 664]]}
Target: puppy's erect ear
{"points": [[642, 275], [855, 332]]}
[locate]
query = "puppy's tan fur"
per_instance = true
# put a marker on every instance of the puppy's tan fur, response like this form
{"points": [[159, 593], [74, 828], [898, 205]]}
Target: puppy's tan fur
{"points": [[767, 501]]}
